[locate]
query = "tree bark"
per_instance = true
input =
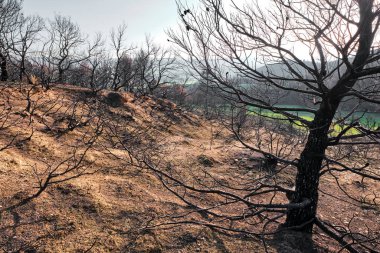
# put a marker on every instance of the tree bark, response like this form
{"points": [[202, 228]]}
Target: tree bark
{"points": [[3, 66], [307, 179], [60, 75], [309, 165], [23, 69]]}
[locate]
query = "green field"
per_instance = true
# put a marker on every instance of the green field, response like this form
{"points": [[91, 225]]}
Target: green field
{"points": [[367, 119]]}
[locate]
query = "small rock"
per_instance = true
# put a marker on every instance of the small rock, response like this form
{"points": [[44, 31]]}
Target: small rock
{"points": [[205, 161]]}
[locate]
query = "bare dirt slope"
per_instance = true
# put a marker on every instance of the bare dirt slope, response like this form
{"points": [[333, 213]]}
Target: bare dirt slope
{"points": [[106, 208]]}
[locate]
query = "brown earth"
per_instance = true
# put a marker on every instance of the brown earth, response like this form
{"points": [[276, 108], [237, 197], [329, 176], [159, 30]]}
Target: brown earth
{"points": [[106, 210]]}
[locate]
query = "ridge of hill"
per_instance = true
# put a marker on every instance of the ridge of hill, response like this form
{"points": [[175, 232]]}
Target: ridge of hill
{"points": [[101, 206], [98, 198]]}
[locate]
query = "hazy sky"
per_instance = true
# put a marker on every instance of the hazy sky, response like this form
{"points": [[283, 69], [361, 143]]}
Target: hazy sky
{"points": [[142, 16]]}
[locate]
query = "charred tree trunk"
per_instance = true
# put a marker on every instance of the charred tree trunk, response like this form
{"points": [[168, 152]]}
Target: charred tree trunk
{"points": [[23, 70], [92, 79], [60, 75], [21, 73], [307, 179], [3, 66]]}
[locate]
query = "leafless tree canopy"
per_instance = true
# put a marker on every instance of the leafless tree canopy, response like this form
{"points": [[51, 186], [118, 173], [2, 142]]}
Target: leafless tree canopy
{"points": [[10, 13], [266, 45], [249, 58], [21, 40]]}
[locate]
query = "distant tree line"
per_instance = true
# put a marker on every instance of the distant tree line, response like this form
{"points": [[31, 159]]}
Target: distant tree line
{"points": [[35, 50], [43, 51]]}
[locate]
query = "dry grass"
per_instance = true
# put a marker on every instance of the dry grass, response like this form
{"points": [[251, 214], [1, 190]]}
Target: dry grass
{"points": [[106, 211]]}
